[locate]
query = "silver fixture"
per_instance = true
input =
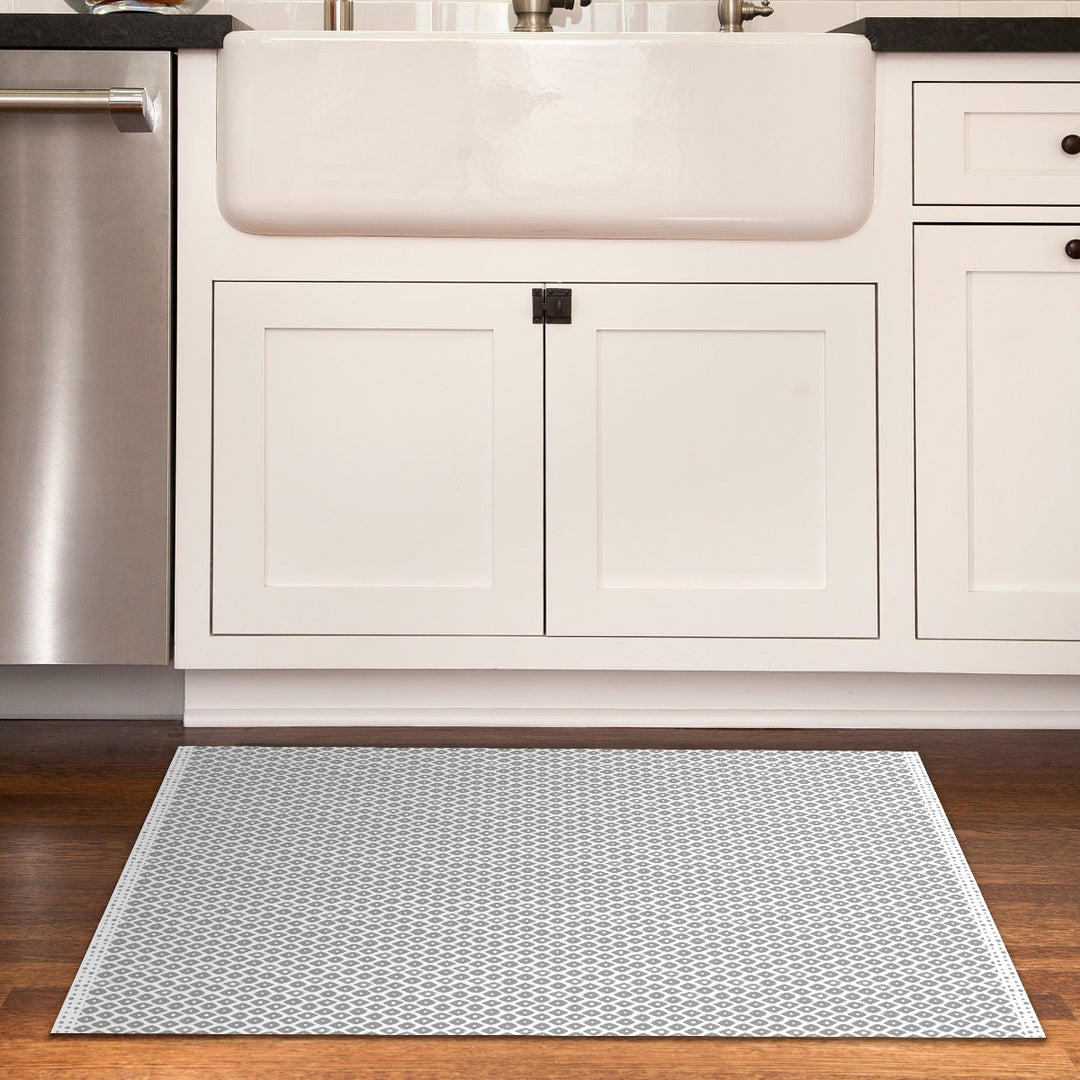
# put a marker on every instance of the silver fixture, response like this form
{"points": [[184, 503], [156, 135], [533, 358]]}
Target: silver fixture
{"points": [[337, 15], [535, 15], [130, 107], [85, 358], [733, 13]]}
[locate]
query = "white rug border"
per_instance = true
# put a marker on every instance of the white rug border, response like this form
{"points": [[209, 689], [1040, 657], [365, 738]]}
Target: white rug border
{"points": [[1010, 979], [85, 977]]}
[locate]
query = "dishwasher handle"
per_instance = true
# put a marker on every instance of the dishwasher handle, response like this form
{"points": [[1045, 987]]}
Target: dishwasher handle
{"points": [[131, 107]]}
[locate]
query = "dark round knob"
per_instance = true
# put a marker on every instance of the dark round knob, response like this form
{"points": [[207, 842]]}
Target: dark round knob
{"points": [[1072, 249], [1071, 144]]}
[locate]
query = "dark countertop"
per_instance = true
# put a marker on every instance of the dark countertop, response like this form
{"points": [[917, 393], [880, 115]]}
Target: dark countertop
{"points": [[1032, 34], [136, 30], [123, 30]]}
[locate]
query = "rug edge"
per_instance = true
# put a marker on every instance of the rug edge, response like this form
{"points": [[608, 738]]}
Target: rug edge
{"points": [[106, 928], [1026, 1016]]}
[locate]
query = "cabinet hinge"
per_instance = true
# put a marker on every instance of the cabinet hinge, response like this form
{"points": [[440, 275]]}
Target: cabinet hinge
{"points": [[551, 305]]}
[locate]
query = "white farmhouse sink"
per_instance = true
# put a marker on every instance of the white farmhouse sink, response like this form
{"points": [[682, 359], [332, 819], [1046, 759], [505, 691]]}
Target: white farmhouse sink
{"points": [[359, 133]]}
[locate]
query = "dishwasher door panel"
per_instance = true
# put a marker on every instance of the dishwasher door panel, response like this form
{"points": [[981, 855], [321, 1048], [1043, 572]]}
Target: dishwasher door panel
{"points": [[85, 368]]}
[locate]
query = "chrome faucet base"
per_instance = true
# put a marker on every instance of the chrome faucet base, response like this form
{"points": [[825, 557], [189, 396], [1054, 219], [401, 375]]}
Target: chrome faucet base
{"points": [[533, 22], [534, 16], [733, 13]]}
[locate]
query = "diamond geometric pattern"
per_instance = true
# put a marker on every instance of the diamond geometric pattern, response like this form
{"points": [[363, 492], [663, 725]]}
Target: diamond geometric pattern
{"points": [[459, 891]]}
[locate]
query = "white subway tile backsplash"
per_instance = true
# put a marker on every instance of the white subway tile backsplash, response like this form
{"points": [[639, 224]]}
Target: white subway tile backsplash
{"points": [[278, 14], [1003, 8], [615, 16], [41, 7], [484, 15], [921, 8], [602, 16], [308, 14], [393, 15], [59, 7], [806, 16], [681, 16]]}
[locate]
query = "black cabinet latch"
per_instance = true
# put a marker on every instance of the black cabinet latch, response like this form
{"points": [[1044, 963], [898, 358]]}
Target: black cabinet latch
{"points": [[551, 305]]}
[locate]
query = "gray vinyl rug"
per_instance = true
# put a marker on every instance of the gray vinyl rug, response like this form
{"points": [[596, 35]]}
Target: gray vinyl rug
{"points": [[417, 891]]}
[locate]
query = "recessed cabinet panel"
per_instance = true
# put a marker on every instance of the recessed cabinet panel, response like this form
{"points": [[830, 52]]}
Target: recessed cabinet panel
{"points": [[349, 500], [711, 462], [997, 440], [672, 512], [987, 143], [377, 459]]}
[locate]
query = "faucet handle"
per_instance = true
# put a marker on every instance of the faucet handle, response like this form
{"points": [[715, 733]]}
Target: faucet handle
{"points": [[751, 9], [569, 4], [733, 13]]}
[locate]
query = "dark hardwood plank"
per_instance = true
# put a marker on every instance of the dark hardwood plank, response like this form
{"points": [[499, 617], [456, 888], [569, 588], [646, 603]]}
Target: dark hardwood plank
{"points": [[73, 796]]}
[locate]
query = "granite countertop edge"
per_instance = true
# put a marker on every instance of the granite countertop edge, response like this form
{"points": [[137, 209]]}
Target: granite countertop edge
{"points": [[123, 30], [968, 34]]}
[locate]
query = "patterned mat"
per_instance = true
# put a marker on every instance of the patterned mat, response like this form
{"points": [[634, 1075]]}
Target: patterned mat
{"points": [[417, 891]]}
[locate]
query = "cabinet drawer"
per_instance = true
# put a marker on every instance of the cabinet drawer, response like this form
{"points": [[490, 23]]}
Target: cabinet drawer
{"points": [[987, 143]]}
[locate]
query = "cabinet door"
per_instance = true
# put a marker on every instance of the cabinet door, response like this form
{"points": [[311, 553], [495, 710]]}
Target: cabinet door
{"points": [[711, 455], [377, 459], [997, 440]]}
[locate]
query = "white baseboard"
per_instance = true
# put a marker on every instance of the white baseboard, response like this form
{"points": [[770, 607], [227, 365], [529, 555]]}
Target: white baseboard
{"points": [[599, 718], [628, 699]]}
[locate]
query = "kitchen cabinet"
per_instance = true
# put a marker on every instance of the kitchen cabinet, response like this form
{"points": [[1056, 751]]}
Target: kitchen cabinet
{"points": [[741, 464], [823, 481], [711, 454], [997, 443], [996, 143], [388, 460], [996, 383], [377, 462]]}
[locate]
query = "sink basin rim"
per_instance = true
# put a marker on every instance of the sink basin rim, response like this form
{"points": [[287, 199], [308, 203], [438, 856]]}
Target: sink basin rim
{"points": [[598, 100]]}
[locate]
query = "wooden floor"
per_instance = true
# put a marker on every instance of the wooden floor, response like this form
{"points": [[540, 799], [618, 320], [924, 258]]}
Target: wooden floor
{"points": [[73, 796]]}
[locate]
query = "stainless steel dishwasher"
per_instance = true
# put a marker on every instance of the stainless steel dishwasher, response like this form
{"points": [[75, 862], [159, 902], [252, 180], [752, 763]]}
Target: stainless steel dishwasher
{"points": [[85, 356]]}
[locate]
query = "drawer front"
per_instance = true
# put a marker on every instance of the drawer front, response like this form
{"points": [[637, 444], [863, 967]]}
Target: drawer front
{"points": [[996, 143]]}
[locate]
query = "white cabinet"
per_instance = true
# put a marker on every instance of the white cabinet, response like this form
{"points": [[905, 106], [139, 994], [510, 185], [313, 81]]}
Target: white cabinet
{"points": [[711, 464], [377, 463], [997, 437], [996, 143], [379, 467], [852, 455]]}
